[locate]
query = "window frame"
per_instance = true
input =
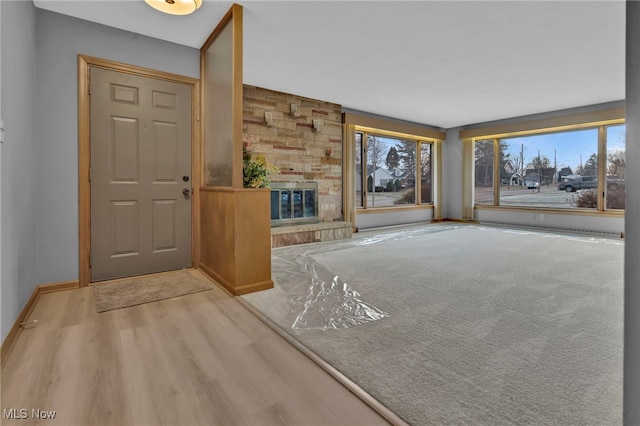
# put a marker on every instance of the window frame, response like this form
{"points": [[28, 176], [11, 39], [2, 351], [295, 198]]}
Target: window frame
{"points": [[352, 121], [600, 121], [419, 141], [606, 166]]}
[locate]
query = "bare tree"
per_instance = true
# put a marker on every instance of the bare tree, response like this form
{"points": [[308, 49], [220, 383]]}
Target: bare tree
{"points": [[376, 154], [376, 151], [541, 162], [617, 164]]}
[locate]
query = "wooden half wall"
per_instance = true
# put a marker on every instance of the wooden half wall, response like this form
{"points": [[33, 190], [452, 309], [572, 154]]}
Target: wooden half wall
{"points": [[236, 238]]}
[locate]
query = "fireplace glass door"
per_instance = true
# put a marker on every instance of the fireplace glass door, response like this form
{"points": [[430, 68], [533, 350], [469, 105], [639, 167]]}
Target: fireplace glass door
{"points": [[294, 202]]}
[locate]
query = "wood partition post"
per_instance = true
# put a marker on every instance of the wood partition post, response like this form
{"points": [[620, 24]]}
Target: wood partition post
{"points": [[235, 222]]}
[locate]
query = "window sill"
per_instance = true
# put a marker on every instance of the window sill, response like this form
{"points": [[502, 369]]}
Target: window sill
{"points": [[568, 211], [362, 210]]}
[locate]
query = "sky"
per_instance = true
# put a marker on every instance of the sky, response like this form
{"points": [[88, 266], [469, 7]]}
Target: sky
{"points": [[565, 148]]}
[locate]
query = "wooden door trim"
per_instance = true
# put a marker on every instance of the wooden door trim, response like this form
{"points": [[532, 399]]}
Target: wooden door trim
{"points": [[84, 153]]}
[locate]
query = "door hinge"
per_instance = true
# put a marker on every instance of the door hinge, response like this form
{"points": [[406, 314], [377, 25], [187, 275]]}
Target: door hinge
{"points": [[89, 174], [90, 259], [197, 117]]}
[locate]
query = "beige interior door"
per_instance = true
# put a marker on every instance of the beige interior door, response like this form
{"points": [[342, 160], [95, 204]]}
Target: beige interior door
{"points": [[140, 175]]}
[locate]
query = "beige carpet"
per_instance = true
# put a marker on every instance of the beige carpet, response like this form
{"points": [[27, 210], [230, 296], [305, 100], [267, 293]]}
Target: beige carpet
{"points": [[139, 290], [485, 326]]}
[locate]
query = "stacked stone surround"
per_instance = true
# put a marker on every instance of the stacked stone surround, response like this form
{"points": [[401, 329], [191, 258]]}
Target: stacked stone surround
{"points": [[291, 143]]}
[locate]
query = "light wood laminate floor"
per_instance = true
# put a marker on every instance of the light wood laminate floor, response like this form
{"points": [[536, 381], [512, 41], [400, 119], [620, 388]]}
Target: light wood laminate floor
{"points": [[201, 359]]}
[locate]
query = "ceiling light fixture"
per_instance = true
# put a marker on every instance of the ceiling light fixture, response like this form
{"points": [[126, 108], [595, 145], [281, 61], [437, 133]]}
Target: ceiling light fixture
{"points": [[175, 7]]}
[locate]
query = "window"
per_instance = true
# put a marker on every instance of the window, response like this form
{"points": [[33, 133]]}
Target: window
{"points": [[557, 170], [359, 155], [484, 172], [426, 176], [391, 170], [387, 171], [532, 169], [616, 177]]}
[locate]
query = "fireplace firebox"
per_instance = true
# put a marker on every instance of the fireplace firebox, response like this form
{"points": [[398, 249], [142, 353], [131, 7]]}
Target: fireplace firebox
{"points": [[294, 203]]}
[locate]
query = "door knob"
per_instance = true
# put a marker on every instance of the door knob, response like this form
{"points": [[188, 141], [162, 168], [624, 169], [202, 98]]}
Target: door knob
{"points": [[186, 192]]}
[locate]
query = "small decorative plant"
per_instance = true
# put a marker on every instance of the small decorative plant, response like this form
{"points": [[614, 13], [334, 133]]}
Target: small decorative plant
{"points": [[256, 172]]}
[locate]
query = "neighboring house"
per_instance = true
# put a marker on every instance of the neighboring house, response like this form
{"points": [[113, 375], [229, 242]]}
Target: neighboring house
{"points": [[383, 176], [544, 176], [565, 171], [516, 179], [379, 178]]}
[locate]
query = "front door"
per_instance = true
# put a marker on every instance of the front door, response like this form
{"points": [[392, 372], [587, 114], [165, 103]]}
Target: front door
{"points": [[140, 175]]}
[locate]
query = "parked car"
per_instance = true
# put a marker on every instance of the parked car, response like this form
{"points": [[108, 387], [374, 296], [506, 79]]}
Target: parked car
{"points": [[572, 183], [530, 184]]}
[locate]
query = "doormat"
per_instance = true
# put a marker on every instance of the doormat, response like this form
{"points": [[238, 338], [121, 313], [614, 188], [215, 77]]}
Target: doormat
{"points": [[139, 290]]}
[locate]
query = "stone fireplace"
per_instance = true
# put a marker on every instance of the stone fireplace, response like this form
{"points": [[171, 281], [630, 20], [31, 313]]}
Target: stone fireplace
{"points": [[302, 137]]}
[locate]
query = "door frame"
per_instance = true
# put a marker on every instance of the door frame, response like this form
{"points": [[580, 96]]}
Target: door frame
{"points": [[84, 153]]}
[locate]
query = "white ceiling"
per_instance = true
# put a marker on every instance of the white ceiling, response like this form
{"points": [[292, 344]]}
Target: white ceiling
{"points": [[444, 63]]}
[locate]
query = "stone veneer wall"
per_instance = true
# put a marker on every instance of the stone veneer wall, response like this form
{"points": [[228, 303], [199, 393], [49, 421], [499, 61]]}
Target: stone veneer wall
{"points": [[291, 143]]}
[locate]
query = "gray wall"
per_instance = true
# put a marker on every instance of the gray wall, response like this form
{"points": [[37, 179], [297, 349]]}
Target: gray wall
{"points": [[550, 114], [390, 218], [572, 222], [18, 168], [60, 39], [632, 224], [452, 175]]}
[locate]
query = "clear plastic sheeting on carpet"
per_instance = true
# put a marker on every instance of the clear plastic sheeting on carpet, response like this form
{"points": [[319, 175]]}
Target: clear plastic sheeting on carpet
{"points": [[308, 295], [401, 235], [329, 303]]}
